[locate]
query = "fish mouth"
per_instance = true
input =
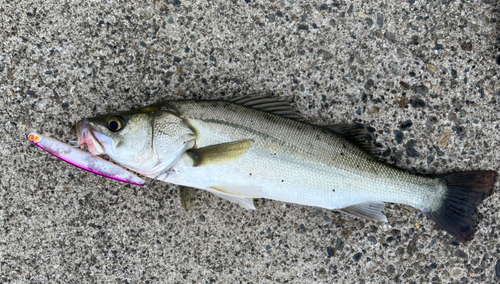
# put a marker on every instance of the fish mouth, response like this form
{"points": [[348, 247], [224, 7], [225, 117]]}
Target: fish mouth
{"points": [[87, 137]]}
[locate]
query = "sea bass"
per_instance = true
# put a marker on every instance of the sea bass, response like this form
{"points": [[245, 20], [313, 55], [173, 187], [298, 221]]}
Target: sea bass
{"points": [[257, 147]]}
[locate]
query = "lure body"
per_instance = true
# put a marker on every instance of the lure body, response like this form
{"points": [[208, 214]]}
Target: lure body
{"points": [[83, 160]]}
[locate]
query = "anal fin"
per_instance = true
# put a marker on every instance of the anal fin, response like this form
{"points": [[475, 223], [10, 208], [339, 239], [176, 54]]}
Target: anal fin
{"points": [[245, 202], [371, 210]]}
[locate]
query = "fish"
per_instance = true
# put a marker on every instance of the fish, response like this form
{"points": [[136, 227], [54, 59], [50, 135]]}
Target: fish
{"points": [[259, 147], [82, 159]]}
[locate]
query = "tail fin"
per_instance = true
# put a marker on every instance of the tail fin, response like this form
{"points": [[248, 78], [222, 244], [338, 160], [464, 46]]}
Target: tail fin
{"points": [[458, 212]]}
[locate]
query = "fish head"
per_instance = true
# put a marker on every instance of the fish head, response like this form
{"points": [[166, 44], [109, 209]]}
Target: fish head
{"points": [[148, 140]]}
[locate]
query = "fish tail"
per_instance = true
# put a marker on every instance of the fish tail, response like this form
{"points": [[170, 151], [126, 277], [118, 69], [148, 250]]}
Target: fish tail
{"points": [[458, 213]]}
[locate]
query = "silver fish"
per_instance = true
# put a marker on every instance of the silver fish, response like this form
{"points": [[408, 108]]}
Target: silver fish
{"points": [[256, 147]]}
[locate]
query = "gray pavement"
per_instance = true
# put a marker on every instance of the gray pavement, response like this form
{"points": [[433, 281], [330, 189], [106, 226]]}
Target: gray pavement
{"points": [[423, 73]]}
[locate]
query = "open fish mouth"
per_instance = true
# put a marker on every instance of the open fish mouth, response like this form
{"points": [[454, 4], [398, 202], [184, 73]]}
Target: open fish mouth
{"points": [[87, 136]]}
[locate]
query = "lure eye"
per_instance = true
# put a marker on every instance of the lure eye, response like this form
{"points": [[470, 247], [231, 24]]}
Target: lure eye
{"points": [[115, 123]]}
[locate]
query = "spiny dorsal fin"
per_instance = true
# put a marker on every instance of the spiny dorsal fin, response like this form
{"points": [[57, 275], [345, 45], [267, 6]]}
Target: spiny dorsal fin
{"points": [[219, 153], [359, 135], [371, 210], [269, 104]]}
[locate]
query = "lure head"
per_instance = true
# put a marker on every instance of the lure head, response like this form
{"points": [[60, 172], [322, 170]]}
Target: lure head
{"points": [[34, 137], [148, 140]]}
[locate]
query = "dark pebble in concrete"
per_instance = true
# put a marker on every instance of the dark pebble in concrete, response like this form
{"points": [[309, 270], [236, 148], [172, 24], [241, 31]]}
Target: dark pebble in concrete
{"points": [[398, 135], [410, 149], [430, 159], [414, 40], [498, 59], [177, 59], [48, 72], [409, 273], [412, 74], [467, 46], [461, 253], [330, 251], [380, 19], [268, 247], [406, 125], [369, 22], [390, 269], [339, 245], [438, 151], [143, 44], [372, 239], [171, 20], [421, 103], [454, 73], [421, 89], [431, 170], [187, 50], [212, 58], [358, 111], [438, 47], [177, 3], [404, 85], [65, 105], [390, 37], [303, 27], [387, 152], [497, 268], [202, 218], [357, 256], [369, 84]]}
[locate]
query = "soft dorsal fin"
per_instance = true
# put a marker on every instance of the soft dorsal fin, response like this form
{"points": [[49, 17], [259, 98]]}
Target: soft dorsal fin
{"points": [[359, 135], [371, 210], [219, 153], [269, 104]]}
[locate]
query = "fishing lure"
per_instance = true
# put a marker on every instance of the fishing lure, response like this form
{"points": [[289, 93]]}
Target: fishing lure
{"points": [[83, 160]]}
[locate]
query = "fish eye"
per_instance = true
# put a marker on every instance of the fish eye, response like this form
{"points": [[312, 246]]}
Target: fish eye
{"points": [[115, 123]]}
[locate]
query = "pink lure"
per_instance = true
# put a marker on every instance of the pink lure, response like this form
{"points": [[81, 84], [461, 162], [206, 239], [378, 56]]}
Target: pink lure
{"points": [[83, 160]]}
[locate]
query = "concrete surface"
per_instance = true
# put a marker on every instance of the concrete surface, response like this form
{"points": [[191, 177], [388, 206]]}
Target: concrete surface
{"points": [[378, 62]]}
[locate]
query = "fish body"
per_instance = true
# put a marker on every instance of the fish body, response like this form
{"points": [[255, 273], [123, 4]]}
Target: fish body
{"points": [[292, 161], [254, 148]]}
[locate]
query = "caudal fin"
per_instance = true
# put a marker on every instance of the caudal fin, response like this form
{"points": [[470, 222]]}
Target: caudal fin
{"points": [[458, 212]]}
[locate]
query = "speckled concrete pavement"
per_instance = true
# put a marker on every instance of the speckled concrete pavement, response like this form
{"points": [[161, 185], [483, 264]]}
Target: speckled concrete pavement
{"points": [[423, 73]]}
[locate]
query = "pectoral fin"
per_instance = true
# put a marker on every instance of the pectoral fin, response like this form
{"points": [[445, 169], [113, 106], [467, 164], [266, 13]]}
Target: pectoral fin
{"points": [[220, 153], [371, 210], [188, 196]]}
